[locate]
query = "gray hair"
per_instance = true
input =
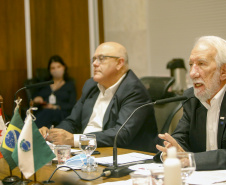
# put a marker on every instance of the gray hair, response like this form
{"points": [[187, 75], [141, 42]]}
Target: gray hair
{"points": [[219, 44]]}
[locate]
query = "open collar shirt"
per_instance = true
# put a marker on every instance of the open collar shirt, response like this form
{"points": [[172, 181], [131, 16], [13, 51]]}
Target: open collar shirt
{"points": [[95, 123], [213, 112]]}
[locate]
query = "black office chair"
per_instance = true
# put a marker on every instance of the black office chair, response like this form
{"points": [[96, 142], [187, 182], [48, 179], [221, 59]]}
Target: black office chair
{"points": [[164, 115], [158, 86]]}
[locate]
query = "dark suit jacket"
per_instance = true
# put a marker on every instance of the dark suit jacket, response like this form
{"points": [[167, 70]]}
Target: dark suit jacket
{"points": [[140, 132], [191, 134]]}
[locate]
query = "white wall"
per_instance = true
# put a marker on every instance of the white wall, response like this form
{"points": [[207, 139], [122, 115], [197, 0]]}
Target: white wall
{"points": [[156, 31], [125, 21]]}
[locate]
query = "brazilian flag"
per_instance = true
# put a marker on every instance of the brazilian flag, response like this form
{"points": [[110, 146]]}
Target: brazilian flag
{"points": [[11, 137]]}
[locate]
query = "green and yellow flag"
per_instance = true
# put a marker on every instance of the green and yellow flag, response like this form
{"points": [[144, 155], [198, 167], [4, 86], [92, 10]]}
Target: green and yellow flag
{"points": [[11, 137]]}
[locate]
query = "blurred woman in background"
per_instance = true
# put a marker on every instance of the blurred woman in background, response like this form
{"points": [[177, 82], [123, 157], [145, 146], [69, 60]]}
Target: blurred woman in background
{"points": [[55, 101]]}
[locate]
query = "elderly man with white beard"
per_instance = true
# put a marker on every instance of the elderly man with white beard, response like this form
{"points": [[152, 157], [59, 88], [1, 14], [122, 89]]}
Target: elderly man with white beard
{"points": [[202, 129]]}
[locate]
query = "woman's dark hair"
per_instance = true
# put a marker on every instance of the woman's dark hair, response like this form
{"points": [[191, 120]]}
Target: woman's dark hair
{"points": [[57, 58]]}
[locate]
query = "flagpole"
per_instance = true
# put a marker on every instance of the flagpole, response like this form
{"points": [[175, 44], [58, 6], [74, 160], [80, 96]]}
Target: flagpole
{"points": [[31, 135], [35, 182], [22, 176], [22, 181]]}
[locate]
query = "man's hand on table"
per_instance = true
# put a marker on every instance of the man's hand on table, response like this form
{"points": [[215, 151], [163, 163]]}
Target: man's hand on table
{"points": [[61, 137], [57, 136]]}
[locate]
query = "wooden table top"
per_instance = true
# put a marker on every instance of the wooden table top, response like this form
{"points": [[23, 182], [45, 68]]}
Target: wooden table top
{"points": [[44, 173]]}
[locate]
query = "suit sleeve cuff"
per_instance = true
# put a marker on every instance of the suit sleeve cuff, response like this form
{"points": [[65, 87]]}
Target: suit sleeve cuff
{"points": [[161, 157], [76, 140]]}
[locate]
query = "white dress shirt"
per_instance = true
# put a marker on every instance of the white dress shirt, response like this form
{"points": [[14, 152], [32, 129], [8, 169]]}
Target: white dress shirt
{"points": [[213, 112], [95, 123]]}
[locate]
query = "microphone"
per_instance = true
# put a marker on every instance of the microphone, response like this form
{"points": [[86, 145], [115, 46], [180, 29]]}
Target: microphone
{"points": [[41, 84], [115, 170], [169, 100]]}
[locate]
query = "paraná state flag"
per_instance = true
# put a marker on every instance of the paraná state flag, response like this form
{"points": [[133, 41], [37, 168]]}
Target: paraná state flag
{"points": [[11, 137], [32, 151], [3, 129]]}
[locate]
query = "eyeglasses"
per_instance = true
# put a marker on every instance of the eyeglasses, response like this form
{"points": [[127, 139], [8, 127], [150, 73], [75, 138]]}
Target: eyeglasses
{"points": [[100, 59]]}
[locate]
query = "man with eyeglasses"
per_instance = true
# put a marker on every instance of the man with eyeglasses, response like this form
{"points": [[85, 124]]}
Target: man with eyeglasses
{"points": [[107, 101]]}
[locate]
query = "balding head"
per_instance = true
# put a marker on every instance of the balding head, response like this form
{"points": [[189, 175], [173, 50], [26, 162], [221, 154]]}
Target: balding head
{"points": [[111, 62], [115, 49]]}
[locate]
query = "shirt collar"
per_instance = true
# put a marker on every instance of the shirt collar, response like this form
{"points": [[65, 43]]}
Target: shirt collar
{"points": [[217, 99], [111, 89]]}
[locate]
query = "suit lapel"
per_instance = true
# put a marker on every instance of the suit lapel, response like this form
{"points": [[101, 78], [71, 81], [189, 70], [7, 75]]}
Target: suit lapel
{"points": [[114, 110], [113, 105], [88, 108], [222, 122], [201, 127]]}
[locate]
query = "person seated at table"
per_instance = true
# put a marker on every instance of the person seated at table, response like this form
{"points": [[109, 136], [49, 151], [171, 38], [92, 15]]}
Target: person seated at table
{"points": [[56, 101], [107, 101], [202, 127]]}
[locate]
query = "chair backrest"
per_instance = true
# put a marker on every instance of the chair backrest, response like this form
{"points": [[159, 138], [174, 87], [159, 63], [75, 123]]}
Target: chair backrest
{"points": [[158, 86], [164, 115], [177, 116]]}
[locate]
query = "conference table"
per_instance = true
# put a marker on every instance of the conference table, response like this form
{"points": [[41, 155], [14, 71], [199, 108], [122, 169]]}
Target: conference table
{"points": [[45, 172]]}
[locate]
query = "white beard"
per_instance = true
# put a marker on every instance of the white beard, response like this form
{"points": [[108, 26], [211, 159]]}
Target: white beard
{"points": [[211, 89]]}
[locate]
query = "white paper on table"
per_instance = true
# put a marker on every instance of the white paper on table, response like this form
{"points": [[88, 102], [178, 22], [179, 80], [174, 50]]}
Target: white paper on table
{"points": [[146, 166], [126, 182], [207, 177], [67, 169], [124, 158]]}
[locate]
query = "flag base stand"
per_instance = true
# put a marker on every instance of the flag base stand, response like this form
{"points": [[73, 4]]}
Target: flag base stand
{"points": [[22, 182], [10, 179]]}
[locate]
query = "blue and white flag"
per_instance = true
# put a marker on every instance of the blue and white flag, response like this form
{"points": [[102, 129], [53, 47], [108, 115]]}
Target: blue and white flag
{"points": [[31, 152]]}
